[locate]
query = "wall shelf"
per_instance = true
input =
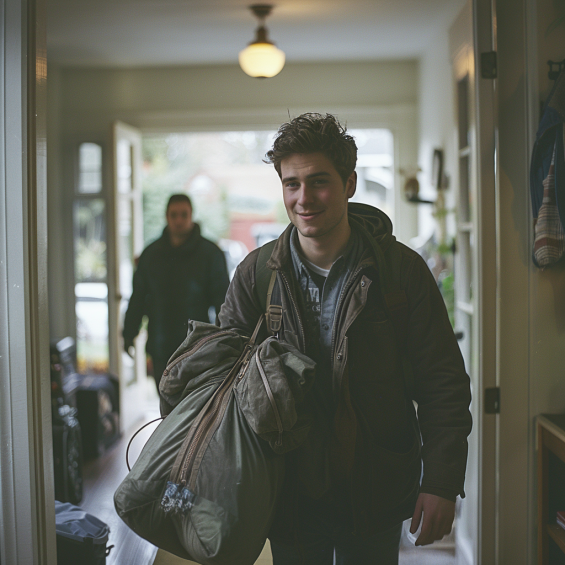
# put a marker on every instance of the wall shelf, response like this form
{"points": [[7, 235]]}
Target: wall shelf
{"points": [[557, 533], [551, 487]]}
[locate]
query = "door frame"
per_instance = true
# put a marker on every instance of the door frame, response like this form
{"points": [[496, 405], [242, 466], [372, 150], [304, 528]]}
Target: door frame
{"points": [[27, 515], [26, 453], [486, 135]]}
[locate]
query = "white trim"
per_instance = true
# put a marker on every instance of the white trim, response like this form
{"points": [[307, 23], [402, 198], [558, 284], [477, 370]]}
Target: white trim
{"points": [[27, 528]]}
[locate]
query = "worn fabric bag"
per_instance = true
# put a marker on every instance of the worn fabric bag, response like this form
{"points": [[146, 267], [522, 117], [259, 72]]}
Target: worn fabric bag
{"points": [[206, 484]]}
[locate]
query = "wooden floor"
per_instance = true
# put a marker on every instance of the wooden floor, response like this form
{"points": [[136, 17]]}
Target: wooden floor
{"points": [[408, 556], [101, 479]]}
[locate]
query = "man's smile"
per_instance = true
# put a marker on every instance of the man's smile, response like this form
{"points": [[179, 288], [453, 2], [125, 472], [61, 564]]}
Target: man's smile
{"points": [[309, 215]]}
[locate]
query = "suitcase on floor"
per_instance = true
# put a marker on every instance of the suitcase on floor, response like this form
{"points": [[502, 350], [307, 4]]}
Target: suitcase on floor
{"points": [[97, 402], [67, 438], [67, 455]]}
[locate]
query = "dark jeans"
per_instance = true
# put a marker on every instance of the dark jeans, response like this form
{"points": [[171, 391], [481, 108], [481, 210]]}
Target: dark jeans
{"points": [[321, 529]]}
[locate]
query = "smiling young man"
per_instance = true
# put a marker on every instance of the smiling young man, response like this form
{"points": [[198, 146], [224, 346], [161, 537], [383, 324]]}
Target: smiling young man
{"points": [[368, 311]]}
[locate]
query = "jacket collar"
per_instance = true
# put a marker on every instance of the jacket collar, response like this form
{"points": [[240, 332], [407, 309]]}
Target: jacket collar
{"points": [[188, 245], [371, 222]]}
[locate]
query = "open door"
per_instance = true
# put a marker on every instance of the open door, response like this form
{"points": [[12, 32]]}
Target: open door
{"points": [[126, 244]]}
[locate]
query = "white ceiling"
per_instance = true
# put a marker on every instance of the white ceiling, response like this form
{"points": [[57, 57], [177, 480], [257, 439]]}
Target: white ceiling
{"points": [[185, 32]]}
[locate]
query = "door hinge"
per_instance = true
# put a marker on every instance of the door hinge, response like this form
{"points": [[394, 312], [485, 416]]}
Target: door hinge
{"points": [[492, 400], [489, 66]]}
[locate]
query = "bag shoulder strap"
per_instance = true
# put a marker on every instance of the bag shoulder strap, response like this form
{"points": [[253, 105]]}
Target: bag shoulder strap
{"points": [[263, 273], [267, 289]]}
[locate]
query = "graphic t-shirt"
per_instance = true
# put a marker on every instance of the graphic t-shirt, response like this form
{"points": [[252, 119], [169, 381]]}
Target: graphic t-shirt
{"points": [[322, 290]]}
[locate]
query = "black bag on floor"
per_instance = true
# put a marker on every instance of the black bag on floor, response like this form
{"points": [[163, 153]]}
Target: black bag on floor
{"points": [[67, 455], [81, 537], [67, 436], [97, 401]]}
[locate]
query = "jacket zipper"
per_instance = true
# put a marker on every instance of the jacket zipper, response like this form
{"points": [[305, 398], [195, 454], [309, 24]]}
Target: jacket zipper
{"points": [[271, 398], [337, 311], [287, 286], [196, 347]]}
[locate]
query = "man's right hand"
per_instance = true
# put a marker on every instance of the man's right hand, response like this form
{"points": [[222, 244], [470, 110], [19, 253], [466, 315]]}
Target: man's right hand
{"points": [[127, 344]]}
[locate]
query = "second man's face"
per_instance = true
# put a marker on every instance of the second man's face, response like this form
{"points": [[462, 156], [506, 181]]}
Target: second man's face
{"points": [[179, 219], [314, 195]]}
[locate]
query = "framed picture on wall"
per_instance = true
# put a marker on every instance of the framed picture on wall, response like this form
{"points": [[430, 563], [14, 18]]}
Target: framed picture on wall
{"points": [[437, 168]]}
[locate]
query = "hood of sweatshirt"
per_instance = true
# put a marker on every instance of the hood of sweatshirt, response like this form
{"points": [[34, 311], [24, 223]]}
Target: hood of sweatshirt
{"points": [[374, 221], [370, 220]]}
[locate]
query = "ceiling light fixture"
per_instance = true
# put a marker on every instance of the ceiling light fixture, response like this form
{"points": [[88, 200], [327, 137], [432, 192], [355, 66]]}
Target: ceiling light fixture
{"points": [[261, 58]]}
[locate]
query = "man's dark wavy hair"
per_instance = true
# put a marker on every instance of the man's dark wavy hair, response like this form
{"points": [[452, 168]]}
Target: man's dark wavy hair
{"points": [[313, 133]]}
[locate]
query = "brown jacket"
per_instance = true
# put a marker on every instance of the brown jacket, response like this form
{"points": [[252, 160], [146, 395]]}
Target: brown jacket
{"points": [[371, 453]]}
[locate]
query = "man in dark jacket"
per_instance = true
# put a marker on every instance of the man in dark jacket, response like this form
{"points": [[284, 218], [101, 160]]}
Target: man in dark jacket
{"points": [[178, 277], [368, 311]]}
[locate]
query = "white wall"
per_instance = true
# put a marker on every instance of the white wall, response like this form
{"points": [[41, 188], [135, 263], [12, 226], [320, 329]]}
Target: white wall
{"points": [[62, 311], [85, 102], [437, 126], [146, 97]]}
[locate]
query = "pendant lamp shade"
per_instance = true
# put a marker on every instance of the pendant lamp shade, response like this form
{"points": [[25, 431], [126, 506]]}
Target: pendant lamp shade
{"points": [[261, 58]]}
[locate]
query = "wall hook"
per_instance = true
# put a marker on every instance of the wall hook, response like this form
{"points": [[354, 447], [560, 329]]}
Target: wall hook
{"points": [[555, 68]]}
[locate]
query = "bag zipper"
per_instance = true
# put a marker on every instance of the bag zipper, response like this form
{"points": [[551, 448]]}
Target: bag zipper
{"points": [[195, 443], [271, 398]]}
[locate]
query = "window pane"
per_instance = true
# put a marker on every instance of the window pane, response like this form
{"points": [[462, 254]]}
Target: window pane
{"points": [[375, 168], [91, 289], [91, 309], [90, 168]]}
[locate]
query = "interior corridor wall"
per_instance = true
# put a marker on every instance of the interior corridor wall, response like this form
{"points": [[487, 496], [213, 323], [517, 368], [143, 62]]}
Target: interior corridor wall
{"points": [[86, 101], [61, 314], [436, 114], [546, 288], [531, 302]]}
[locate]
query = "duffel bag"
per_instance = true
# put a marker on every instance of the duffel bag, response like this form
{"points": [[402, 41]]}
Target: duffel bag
{"points": [[206, 484]]}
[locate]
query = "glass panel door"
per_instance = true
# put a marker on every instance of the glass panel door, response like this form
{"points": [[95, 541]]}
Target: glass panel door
{"points": [[127, 245]]}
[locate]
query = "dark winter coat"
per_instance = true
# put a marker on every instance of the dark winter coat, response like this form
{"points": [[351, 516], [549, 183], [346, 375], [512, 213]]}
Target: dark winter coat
{"points": [[172, 285], [371, 454]]}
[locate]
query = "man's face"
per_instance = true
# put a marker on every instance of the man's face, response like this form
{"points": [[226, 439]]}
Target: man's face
{"points": [[179, 218], [314, 195]]}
